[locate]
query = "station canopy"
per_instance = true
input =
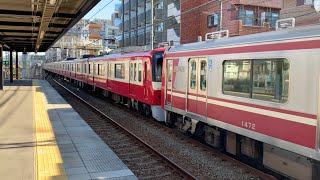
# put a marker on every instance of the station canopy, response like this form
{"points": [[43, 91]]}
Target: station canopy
{"points": [[35, 25]]}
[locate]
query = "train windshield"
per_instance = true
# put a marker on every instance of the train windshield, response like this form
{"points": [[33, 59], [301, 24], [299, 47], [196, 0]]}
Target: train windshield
{"points": [[157, 59]]}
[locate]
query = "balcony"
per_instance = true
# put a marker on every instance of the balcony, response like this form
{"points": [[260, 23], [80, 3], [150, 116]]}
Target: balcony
{"points": [[158, 14], [133, 41], [113, 46], [141, 40], [160, 36], [148, 15], [120, 10], [126, 7], [140, 3], [141, 18], [120, 27], [148, 37], [126, 25], [133, 22], [133, 4]]}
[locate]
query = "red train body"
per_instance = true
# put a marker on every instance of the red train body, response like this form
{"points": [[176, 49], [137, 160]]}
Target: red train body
{"points": [[134, 79]]}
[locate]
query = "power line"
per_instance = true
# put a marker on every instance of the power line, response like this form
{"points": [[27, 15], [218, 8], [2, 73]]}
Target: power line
{"points": [[101, 9]]}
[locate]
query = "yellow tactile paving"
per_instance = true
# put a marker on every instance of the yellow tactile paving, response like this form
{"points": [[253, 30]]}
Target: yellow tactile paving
{"points": [[48, 161]]}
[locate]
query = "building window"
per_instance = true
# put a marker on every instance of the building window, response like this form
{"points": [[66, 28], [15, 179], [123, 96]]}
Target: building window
{"points": [[120, 71], [263, 79], [270, 17], [159, 28], [158, 5], [212, 20], [304, 2], [247, 17]]}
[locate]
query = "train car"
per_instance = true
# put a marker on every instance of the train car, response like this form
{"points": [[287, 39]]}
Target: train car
{"points": [[133, 79], [255, 96]]}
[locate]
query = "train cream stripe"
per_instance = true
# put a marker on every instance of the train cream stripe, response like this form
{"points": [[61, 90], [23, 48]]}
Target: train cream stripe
{"points": [[275, 114]]}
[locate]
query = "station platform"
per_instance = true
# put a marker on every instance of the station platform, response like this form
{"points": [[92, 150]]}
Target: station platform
{"points": [[42, 137]]}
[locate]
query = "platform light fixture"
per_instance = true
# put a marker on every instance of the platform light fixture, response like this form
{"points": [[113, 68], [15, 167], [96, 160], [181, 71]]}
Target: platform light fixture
{"points": [[41, 34], [52, 2]]}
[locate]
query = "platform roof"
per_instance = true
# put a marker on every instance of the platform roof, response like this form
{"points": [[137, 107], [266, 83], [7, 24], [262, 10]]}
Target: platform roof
{"points": [[35, 25]]}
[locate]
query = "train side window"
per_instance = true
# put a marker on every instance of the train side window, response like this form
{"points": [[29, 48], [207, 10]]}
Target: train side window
{"points": [[271, 80], [131, 71], [135, 72], [100, 69], [90, 70], [193, 74], [236, 77], [139, 72], [203, 75], [110, 70], [169, 71], [263, 79], [120, 71]]}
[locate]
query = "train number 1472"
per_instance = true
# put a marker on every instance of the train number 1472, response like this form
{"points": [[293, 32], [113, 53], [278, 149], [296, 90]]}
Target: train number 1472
{"points": [[248, 125]]}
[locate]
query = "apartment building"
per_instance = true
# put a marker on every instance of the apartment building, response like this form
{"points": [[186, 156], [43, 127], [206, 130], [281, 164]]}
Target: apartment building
{"points": [[149, 22], [240, 17], [302, 10], [115, 17]]}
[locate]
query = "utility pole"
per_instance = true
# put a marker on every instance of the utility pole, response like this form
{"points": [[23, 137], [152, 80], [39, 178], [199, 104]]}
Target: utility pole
{"points": [[17, 65], [220, 16], [11, 66], [151, 39]]}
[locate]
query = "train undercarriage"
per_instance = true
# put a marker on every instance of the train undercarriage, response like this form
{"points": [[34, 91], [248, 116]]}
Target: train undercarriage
{"points": [[281, 163]]}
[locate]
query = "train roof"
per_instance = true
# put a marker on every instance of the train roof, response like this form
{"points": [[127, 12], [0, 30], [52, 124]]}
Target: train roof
{"points": [[280, 35]]}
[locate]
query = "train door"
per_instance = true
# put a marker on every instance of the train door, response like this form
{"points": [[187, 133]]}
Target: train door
{"points": [[197, 86], [168, 91], [132, 74]]}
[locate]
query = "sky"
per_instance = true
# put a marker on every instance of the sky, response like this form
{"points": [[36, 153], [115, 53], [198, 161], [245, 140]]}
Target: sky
{"points": [[105, 13]]}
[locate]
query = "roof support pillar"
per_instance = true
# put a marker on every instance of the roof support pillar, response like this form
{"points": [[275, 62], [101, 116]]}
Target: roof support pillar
{"points": [[1, 67], [17, 65], [11, 66]]}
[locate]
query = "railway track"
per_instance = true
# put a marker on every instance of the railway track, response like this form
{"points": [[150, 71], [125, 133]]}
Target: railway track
{"points": [[148, 162]]}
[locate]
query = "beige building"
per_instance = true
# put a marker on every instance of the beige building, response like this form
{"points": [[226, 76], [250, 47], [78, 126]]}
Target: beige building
{"points": [[302, 10]]}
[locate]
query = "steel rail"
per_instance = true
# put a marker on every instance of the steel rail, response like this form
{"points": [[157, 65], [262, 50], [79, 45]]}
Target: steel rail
{"points": [[167, 160]]}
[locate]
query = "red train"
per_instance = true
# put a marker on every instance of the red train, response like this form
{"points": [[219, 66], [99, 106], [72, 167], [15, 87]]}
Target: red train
{"points": [[255, 96], [133, 79]]}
